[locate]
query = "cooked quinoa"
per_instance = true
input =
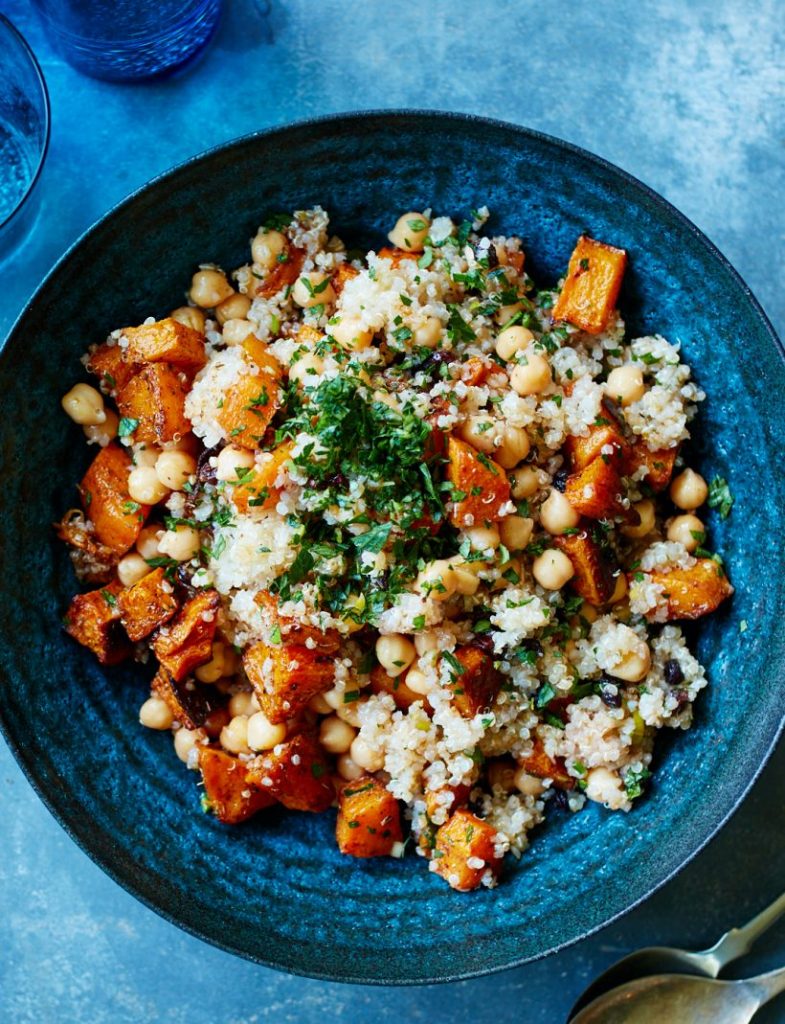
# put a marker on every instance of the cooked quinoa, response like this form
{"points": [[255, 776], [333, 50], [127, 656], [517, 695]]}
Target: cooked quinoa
{"points": [[403, 532]]}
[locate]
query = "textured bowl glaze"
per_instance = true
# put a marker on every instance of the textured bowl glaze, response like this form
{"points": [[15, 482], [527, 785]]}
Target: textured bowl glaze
{"points": [[276, 890]]}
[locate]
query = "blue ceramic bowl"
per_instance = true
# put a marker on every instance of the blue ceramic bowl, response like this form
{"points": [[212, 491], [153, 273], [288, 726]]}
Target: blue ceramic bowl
{"points": [[276, 890]]}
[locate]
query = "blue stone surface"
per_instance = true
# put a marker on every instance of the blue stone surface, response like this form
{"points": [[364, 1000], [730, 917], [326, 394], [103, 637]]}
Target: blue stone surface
{"points": [[673, 96]]}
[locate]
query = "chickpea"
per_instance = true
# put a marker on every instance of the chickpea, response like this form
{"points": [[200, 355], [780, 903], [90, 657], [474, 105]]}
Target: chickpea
{"points": [[687, 530], [262, 734], [145, 487], [267, 246], [514, 448], [410, 232], [333, 698], [395, 653], [426, 642], [483, 537], [428, 334], [418, 681], [336, 736], [604, 787], [513, 340], [505, 313], [437, 580], [625, 384], [156, 714], [364, 756], [84, 405], [557, 514], [688, 490], [191, 317], [209, 288], [182, 543], [145, 455], [185, 740], [465, 575], [147, 541], [515, 532], [313, 288], [349, 712], [619, 591], [234, 736], [528, 784], [552, 569], [102, 433], [350, 333], [347, 769], [132, 568], [480, 432], [230, 459], [243, 703], [525, 482], [307, 370], [174, 469], [319, 705], [634, 665], [236, 331], [645, 510], [211, 671], [532, 376], [234, 308]]}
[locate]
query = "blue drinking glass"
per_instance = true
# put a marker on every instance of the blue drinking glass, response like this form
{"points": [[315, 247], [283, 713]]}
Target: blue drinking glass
{"points": [[129, 40], [24, 135]]}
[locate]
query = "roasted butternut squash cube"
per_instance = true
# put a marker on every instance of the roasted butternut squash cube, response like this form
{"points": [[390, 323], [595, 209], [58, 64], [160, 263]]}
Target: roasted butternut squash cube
{"points": [[659, 464], [538, 763], [190, 702], [694, 592], [465, 851], [476, 370], [605, 437], [155, 398], [187, 641], [295, 632], [283, 274], [476, 684], [230, 797], [112, 367], [94, 562], [593, 579], [297, 773], [482, 482], [93, 620], [256, 489], [594, 277], [343, 272], [250, 405], [396, 687], [369, 819], [286, 676], [441, 803], [166, 341], [147, 605], [117, 521], [396, 256], [596, 491]]}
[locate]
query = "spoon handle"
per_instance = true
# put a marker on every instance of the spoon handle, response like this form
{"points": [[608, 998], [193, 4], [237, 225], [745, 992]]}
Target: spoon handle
{"points": [[738, 941], [768, 985]]}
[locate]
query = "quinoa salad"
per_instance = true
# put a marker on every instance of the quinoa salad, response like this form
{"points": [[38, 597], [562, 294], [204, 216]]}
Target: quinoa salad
{"points": [[399, 533]]}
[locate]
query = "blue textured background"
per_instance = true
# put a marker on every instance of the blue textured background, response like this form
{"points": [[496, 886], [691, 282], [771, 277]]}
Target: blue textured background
{"points": [[689, 101]]}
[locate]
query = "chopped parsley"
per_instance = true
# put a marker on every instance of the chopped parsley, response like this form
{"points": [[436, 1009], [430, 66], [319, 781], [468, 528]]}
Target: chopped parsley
{"points": [[720, 496]]}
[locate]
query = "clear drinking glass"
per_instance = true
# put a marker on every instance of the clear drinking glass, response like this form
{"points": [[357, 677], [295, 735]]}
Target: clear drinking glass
{"points": [[127, 40], [24, 135]]}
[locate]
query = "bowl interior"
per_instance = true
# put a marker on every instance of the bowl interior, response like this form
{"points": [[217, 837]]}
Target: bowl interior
{"points": [[276, 890]]}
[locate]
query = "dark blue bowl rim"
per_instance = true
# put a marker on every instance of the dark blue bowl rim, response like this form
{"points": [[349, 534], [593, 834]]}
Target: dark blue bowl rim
{"points": [[47, 133], [57, 806]]}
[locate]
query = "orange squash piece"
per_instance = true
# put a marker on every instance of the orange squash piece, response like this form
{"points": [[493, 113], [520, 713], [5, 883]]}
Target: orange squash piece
{"points": [[93, 620], [460, 796], [155, 397], [694, 592], [344, 272], [117, 520], [369, 819], [110, 365], [659, 464], [293, 631], [253, 400], [476, 370], [464, 838], [166, 341], [604, 434], [396, 687], [593, 579], [286, 676], [94, 562], [147, 605], [474, 688], [594, 277], [257, 488], [538, 763], [483, 482], [596, 491], [192, 704], [283, 274], [230, 797], [296, 773], [397, 256], [187, 642]]}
